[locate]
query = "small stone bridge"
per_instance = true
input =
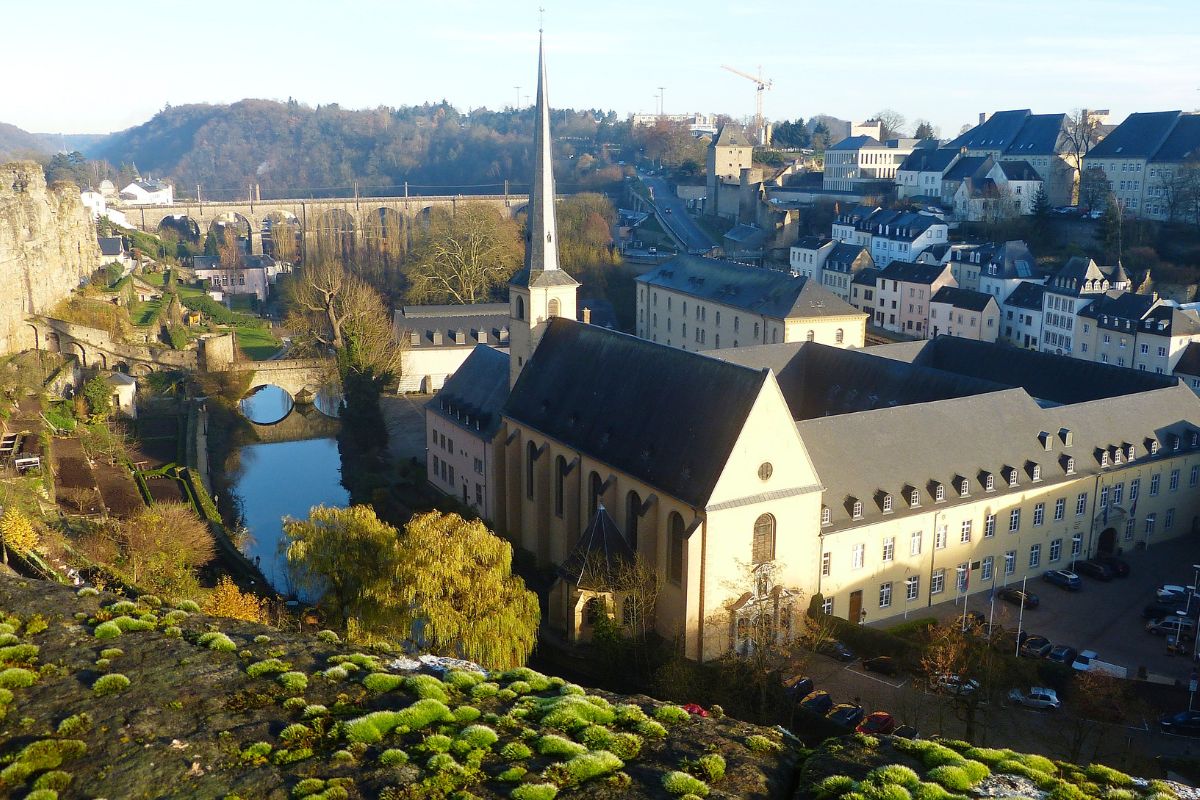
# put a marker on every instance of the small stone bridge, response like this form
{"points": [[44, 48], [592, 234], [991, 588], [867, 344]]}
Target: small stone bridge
{"points": [[301, 378], [360, 218]]}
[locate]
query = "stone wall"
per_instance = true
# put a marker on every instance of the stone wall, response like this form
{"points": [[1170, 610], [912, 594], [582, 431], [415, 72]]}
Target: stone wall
{"points": [[47, 247]]}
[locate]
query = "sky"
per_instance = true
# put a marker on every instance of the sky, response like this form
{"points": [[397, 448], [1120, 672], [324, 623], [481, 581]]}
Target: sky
{"points": [[92, 67]]}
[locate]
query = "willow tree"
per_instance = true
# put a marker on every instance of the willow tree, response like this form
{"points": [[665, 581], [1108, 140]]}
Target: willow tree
{"points": [[464, 257], [459, 595]]}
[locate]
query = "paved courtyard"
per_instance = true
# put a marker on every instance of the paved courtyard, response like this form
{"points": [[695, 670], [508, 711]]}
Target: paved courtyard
{"points": [[405, 418]]}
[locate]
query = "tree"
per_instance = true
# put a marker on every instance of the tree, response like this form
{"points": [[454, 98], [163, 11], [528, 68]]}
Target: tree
{"points": [[1039, 224], [965, 655], [17, 532], [925, 130], [1096, 697], [229, 249], [1094, 187], [893, 123], [458, 594], [465, 257], [821, 137], [1080, 132], [1108, 231], [227, 600], [98, 395], [162, 545], [791, 134]]}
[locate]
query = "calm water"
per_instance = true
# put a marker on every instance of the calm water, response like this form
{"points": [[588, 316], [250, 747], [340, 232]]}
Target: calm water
{"points": [[284, 478]]}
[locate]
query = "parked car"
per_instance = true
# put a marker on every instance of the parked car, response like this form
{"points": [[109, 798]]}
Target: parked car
{"points": [[885, 665], [845, 714], [906, 732], [1017, 597], [1182, 723], [1036, 697], [818, 702], [1094, 569], [1172, 592], [1178, 626], [797, 687], [955, 684], [1160, 609], [1036, 647], [1062, 654], [877, 722], [1119, 566], [1063, 578], [835, 649]]}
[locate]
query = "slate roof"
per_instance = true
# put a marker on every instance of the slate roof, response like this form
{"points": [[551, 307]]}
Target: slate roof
{"points": [[867, 276], [542, 278], [929, 439], [965, 167], [928, 160], [111, 245], [998, 132], [248, 262], [489, 318], [1050, 378], [474, 395], [857, 142], [1118, 310], [1013, 260], [731, 136], [742, 233], [1027, 295], [1019, 171], [967, 299], [1183, 142], [843, 255], [603, 393], [812, 242], [1189, 361], [1139, 136], [595, 560], [1038, 136], [912, 272], [1180, 322], [769, 292]]}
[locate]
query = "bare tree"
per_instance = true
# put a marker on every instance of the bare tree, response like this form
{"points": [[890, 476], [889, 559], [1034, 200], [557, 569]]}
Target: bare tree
{"points": [[465, 257], [893, 122], [1080, 133], [229, 249], [1094, 187]]}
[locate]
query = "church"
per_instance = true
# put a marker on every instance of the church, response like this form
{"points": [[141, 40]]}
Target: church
{"points": [[754, 480]]}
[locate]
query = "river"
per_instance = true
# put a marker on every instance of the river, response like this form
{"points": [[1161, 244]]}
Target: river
{"points": [[298, 467]]}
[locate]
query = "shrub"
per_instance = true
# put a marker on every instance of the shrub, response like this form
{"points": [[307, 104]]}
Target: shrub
{"points": [[586, 766], [393, 757], [268, 666], [671, 715], [834, 786], [680, 783], [107, 630], [534, 791], [427, 687], [713, 766], [17, 678], [215, 640], [383, 682], [293, 681], [515, 751], [75, 725], [554, 745], [110, 684], [483, 690], [478, 737], [761, 744]]}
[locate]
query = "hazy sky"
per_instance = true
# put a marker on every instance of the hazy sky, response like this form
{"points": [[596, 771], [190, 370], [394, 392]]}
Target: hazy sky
{"points": [[88, 66]]}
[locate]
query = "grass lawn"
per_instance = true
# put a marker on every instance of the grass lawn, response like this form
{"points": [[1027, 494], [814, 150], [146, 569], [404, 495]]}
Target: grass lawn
{"points": [[257, 342], [144, 313], [153, 278]]}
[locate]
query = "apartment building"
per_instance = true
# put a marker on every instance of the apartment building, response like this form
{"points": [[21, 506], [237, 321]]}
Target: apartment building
{"points": [[1020, 135], [844, 261], [903, 293], [859, 161], [920, 174], [1149, 160], [807, 256], [1021, 311], [965, 313], [890, 235], [1079, 282]]}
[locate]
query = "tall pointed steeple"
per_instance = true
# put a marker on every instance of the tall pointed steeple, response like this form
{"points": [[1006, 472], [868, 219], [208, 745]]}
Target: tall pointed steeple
{"points": [[543, 230]]}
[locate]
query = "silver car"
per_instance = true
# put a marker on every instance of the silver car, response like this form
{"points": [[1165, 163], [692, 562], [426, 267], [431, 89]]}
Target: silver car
{"points": [[1036, 697]]}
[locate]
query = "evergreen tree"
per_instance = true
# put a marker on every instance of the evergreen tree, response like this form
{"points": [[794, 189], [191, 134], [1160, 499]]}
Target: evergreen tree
{"points": [[1108, 232]]}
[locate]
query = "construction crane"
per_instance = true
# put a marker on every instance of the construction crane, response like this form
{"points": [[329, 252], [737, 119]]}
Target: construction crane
{"points": [[763, 84]]}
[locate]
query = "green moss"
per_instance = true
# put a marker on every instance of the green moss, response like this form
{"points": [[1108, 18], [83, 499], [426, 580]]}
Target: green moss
{"points": [[293, 681], [11, 638], [571, 689], [512, 774], [56, 780], [442, 762], [329, 636], [295, 704], [463, 680], [107, 630], [75, 725], [478, 737], [515, 751], [256, 753], [571, 712], [123, 607], [42, 794], [466, 714], [587, 766], [1107, 775], [437, 743], [215, 640], [897, 774], [680, 783], [315, 710], [19, 654], [931, 791], [296, 733], [554, 745], [17, 678], [87, 591], [484, 690], [383, 682], [427, 687], [268, 666], [713, 766], [374, 726], [655, 730], [338, 673], [506, 695], [173, 631], [393, 757], [520, 687], [175, 617], [262, 638], [671, 715], [307, 787], [189, 606], [129, 624], [112, 652], [761, 744], [534, 791], [951, 777], [110, 684], [833, 786]]}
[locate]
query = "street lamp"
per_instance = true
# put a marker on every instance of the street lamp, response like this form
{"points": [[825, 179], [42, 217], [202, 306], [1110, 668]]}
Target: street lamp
{"points": [[961, 570]]}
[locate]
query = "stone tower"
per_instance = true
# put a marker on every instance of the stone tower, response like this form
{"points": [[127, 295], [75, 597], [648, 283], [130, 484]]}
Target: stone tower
{"points": [[541, 290]]}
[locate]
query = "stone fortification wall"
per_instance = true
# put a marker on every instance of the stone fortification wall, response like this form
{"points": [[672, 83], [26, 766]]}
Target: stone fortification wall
{"points": [[47, 246]]}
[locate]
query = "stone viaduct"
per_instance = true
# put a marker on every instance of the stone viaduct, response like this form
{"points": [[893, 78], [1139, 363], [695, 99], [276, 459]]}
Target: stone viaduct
{"points": [[359, 217]]}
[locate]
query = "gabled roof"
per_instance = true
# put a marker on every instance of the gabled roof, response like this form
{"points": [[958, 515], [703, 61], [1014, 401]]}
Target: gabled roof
{"points": [[1189, 362], [998, 132], [731, 136], [112, 245], [1139, 136], [602, 392], [1027, 295], [912, 272], [474, 395], [1019, 171], [856, 143], [842, 257], [812, 242], [473, 319], [1180, 322], [967, 299], [1184, 141], [966, 167], [928, 160], [867, 276], [596, 560], [1118, 310], [769, 292]]}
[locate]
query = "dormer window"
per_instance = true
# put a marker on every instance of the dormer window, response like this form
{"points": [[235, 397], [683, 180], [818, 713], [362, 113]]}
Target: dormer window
{"points": [[1154, 447], [1104, 459], [1175, 441], [1131, 453], [856, 509], [1116, 455], [826, 515], [964, 488], [989, 484], [1069, 465], [887, 504], [914, 498], [1037, 472], [939, 493], [1012, 477]]}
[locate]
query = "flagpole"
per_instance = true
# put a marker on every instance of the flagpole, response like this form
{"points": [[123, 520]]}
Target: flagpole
{"points": [[1021, 614]]}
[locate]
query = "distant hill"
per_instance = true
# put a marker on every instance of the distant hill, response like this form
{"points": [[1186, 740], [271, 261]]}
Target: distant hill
{"points": [[290, 149], [16, 143]]}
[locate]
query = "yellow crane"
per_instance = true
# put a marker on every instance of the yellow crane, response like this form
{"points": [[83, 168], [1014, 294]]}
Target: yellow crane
{"points": [[763, 84]]}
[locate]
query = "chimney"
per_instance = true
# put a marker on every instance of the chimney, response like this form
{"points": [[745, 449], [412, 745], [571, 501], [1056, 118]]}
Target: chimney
{"points": [[982, 117], [587, 316]]}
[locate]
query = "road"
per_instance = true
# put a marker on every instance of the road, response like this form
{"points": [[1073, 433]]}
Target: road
{"points": [[674, 217]]}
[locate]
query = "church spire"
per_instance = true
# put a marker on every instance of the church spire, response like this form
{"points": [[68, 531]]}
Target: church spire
{"points": [[542, 253]]}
